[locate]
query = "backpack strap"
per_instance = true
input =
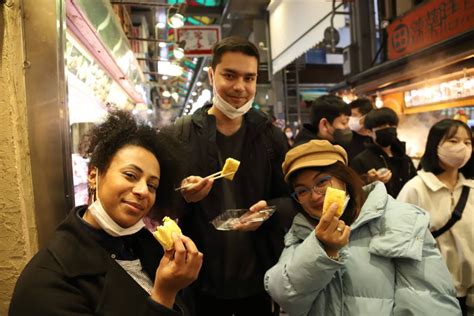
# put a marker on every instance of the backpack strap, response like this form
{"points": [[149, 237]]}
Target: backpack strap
{"points": [[456, 215], [267, 142], [183, 128]]}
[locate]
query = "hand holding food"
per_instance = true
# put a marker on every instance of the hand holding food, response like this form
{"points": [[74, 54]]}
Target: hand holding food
{"points": [[332, 232], [228, 171], [383, 174], [178, 269]]}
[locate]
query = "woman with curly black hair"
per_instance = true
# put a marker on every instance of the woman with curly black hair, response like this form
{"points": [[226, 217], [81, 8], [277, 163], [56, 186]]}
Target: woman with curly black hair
{"points": [[102, 260]]}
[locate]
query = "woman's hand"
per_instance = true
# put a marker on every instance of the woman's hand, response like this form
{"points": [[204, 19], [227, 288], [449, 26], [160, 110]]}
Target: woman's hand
{"points": [[198, 190], [332, 232], [178, 268]]}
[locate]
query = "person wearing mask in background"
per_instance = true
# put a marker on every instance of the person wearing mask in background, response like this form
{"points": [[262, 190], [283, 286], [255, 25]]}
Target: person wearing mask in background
{"points": [[329, 121], [444, 181], [231, 280], [101, 260], [377, 258], [384, 160], [289, 136], [360, 136]]}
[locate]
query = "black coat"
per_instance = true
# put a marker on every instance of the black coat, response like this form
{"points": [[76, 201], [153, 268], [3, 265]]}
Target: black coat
{"points": [[375, 158], [74, 275], [259, 177], [306, 134]]}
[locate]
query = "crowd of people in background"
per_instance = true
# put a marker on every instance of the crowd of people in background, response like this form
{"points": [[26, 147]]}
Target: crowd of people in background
{"points": [[403, 244]]}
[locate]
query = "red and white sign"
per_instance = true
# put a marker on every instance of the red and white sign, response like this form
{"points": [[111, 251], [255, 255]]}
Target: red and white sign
{"points": [[199, 39], [428, 24]]}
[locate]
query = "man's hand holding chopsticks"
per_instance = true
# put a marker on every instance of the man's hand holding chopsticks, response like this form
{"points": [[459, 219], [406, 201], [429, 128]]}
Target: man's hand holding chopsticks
{"points": [[196, 188]]}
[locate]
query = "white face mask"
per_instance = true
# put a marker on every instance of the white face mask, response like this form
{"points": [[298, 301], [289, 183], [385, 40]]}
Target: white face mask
{"points": [[289, 134], [455, 156], [105, 221], [354, 123], [228, 109]]}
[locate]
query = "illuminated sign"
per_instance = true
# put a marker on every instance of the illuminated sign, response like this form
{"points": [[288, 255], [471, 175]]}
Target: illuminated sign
{"points": [[428, 24], [440, 92]]}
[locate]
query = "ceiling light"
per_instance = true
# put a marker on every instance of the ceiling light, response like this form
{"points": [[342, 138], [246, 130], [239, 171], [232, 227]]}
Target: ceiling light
{"points": [[166, 94], [199, 83], [162, 44], [206, 68], [164, 77], [194, 93], [160, 25]]}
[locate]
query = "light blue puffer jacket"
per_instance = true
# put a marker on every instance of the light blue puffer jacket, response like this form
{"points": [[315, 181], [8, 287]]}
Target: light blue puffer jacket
{"points": [[390, 267]]}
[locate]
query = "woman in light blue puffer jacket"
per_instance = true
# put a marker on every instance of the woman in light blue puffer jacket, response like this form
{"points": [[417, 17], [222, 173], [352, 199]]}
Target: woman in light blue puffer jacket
{"points": [[378, 258]]}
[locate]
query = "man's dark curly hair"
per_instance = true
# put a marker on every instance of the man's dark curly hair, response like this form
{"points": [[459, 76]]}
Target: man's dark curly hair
{"points": [[119, 130]]}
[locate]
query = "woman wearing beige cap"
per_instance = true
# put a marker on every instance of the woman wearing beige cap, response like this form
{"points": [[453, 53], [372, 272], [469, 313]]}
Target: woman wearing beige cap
{"points": [[377, 258]]}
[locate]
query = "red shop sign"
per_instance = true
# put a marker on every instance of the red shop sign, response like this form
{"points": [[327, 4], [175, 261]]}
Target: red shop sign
{"points": [[199, 40], [429, 24]]}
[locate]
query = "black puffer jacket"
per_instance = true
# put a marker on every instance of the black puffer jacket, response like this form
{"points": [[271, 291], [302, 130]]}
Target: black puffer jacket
{"points": [[375, 158]]}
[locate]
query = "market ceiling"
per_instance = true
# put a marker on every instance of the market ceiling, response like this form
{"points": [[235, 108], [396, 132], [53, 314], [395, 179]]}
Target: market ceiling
{"points": [[173, 95]]}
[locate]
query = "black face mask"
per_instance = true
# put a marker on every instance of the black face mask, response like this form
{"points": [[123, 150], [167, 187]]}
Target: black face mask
{"points": [[342, 137], [386, 137]]}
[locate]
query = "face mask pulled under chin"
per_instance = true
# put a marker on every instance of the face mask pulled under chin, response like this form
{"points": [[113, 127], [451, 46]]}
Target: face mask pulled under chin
{"points": [[227, 109], [455, 156], [105, 221]]}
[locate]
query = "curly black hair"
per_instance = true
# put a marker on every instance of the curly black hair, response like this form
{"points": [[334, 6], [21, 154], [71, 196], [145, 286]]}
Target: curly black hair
{"points": [[120, 129]]}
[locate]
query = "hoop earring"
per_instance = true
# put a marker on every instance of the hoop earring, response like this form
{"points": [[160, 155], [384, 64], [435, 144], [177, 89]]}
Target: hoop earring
{"points": [[92, 191]]}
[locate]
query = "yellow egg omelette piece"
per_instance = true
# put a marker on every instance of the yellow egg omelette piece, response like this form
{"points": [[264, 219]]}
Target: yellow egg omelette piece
{"points": [[334, 195], [231, 165], [163, 233]]}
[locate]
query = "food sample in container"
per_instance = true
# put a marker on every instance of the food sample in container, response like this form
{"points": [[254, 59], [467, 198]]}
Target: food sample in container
{"points": [[230, 168], [164, 232], [334, 196]]}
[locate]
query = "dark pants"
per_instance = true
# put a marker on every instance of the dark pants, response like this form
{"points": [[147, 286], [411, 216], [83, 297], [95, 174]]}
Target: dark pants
{"points": [[257, 305], [462, 303]]}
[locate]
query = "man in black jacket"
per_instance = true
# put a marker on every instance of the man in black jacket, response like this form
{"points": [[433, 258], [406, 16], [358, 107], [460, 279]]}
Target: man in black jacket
{"points": [[360, 139], [231, 280], [384, 160], [329, 121]]}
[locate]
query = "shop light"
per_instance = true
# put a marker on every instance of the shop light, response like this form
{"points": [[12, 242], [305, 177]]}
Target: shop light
{"points": [[194, 93], [378, 101], [175, 19], [175, 96], [162, 44], [169, 69], [199, 83], [166, 94], [164, 77], [160, 25], [206, 68], [178, 50]]}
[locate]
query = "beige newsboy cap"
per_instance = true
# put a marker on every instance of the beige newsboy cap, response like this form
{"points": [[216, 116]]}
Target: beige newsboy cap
{"points": [[315, 153]]}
